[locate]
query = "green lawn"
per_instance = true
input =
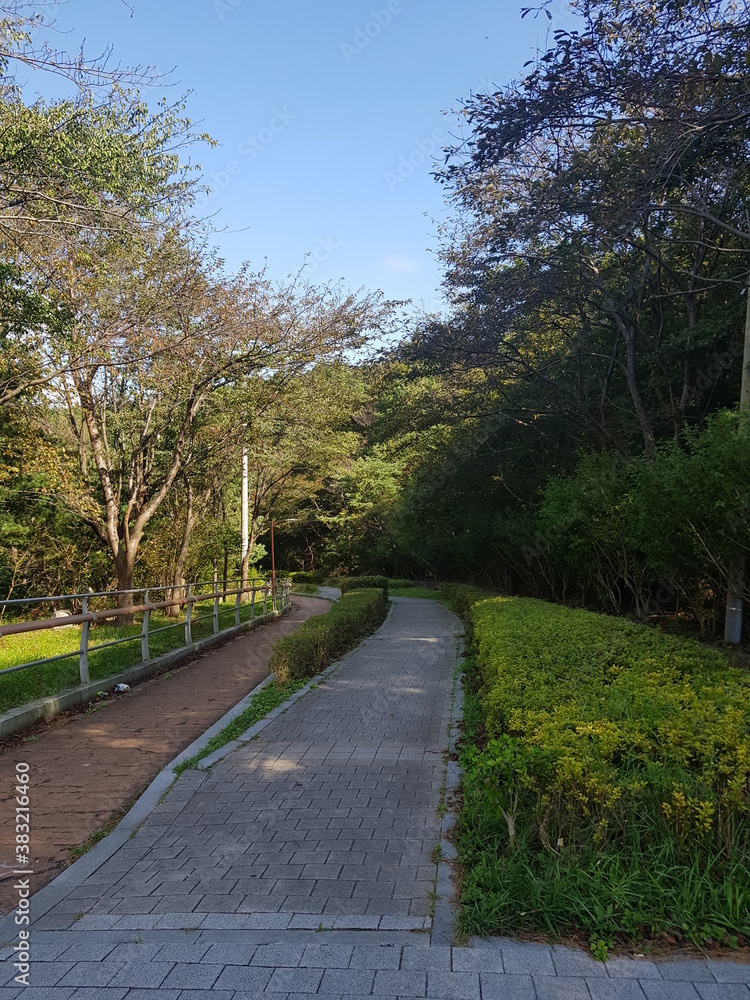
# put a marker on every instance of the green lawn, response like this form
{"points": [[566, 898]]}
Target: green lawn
{"points": [[37, 682]]}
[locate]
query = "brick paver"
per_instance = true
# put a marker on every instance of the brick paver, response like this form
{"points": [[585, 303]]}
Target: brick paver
{"points": [[301, 865]]}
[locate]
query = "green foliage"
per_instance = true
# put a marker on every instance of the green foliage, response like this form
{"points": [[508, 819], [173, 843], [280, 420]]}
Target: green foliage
{"points": [[306, 577], [605, 787], [319, 641], [461, 598], [365, 583]]}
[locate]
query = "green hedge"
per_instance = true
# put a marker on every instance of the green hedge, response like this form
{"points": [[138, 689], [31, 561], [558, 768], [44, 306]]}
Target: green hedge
{"points": [[401, 584], [606, 778], [321, 640], [307, 577], [364, 583], [461, 598]]}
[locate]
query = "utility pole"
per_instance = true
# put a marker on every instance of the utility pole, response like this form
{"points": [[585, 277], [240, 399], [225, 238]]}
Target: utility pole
{"points": [[245, 518], [736, 587], [273, 561]]}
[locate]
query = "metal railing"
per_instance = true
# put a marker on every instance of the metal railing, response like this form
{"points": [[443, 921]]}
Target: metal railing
{"points": [[265, 595]]}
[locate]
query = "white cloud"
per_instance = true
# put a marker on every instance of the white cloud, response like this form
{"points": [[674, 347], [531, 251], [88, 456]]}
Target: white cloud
{"points": [[400, 262]]}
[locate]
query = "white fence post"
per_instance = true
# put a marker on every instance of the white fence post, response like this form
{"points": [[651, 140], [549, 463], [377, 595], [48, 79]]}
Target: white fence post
{"points": [[216, 607], [188, 617], [237, 605], [83, 656], [145, 651]]}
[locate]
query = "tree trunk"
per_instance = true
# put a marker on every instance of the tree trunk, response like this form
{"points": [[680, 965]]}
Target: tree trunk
{"points": [[125, 562], [178, 580]]}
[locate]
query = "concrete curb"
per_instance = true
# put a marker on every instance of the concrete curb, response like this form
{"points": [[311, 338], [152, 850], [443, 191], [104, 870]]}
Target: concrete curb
{"points": [[48, 897], [16, 719], [444, 918]]}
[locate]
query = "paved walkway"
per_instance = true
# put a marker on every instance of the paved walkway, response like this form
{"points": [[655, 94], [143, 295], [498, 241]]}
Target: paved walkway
{"points": [[301, 865]]}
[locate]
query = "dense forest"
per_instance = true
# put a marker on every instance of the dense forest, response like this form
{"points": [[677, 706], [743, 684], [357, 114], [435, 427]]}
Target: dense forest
{"points": [[568, 429]]}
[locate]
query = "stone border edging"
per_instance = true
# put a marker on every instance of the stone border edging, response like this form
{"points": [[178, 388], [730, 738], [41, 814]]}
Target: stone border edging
{"points": [[44, 709], [444, 917], [72, 876]]}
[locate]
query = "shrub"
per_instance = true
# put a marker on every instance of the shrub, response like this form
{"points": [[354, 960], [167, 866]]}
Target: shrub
{"points": [[364, 583], [461, 598], [319, 641], [609, 789], [401, 584], [307, 577]]}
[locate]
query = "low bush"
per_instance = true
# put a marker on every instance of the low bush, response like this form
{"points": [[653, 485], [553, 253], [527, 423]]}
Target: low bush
{"points": [[319, 641], [461, 598], [401, 584], [364, 583], [606, 777], [307, 577]]}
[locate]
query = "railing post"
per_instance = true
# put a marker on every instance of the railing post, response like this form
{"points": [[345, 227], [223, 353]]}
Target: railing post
{"points": [[252, 604], [188, 617], [237, 606], [216, 607], [145, 651], [265, 599], [83, 656]]}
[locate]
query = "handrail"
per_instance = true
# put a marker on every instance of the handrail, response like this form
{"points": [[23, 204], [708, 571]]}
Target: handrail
{"points": [[37, 625], [86, 618], [108, 593]]}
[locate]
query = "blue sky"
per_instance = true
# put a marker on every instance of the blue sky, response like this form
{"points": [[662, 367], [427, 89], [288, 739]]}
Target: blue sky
{"points": [[316, 107]]}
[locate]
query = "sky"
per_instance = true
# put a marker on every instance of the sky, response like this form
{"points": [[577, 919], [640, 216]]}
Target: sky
{"points": [[329, 118]]}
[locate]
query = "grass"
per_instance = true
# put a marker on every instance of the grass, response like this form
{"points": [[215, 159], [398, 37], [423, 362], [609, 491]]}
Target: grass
{"points": [[605, 775], [305, 588], [262, 703], [24, 686], [80, 849]]}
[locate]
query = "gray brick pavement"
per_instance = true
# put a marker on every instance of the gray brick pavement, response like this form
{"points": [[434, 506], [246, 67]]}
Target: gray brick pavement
{"points": [[300, 866]]}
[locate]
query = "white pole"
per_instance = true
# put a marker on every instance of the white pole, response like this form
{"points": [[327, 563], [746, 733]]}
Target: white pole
{"points": [[245, 516]]}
